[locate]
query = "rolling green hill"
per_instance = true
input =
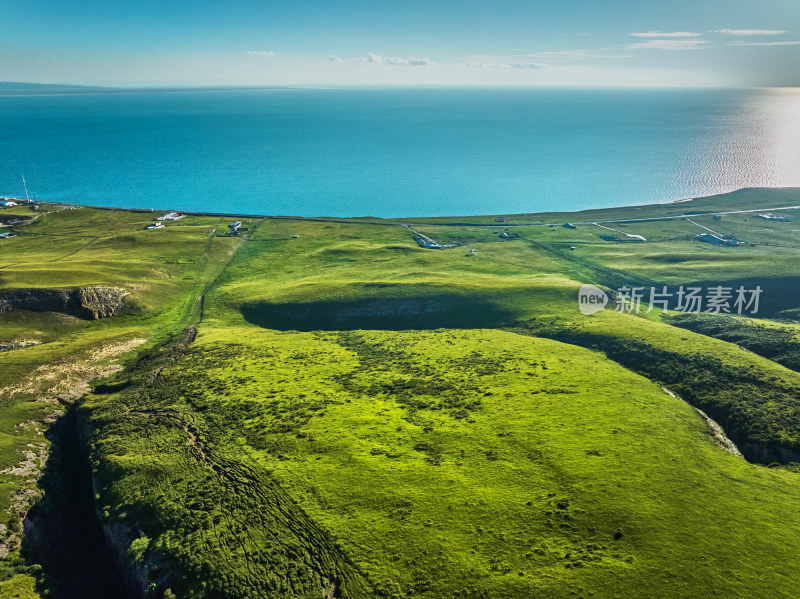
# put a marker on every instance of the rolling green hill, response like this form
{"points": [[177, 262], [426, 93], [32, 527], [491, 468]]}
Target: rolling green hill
{"points": [[326, 409]]}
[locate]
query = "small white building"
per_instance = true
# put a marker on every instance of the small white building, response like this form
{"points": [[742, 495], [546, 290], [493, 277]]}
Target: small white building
{"points": [[171, 216], [718, 239], [775, 217]]}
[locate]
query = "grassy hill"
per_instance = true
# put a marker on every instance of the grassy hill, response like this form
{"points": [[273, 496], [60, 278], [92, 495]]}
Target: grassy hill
{"points": [[325, 409]]}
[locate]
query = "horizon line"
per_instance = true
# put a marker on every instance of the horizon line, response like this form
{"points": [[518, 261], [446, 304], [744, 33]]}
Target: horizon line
{"points": [[31, 88]]}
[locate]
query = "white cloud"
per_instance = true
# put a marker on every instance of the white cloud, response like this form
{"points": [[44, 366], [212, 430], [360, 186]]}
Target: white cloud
{"points": [[671, 34], [669, 45], [751, 31], [376, 59], [261, 53], [529, 65], [534, 66], [332, 58], [792, 43]]}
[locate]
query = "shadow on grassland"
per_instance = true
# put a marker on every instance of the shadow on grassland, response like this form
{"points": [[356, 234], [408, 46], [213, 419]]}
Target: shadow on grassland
{"points": [[436, 311], [779, 296]]}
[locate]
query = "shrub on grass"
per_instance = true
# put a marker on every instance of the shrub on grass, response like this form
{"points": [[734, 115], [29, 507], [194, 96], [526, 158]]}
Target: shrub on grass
{"points": [[137, 548]]}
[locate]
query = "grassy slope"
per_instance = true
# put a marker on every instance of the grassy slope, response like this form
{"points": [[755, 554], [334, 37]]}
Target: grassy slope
{"points": [[329, 265], [364, 433], [162, 270], [503, 470]]}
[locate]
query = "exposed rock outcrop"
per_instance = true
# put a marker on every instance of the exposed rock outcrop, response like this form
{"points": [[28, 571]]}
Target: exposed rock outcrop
{"points": [[134, 574], [18, 344], [14, 219], [90, 303]]}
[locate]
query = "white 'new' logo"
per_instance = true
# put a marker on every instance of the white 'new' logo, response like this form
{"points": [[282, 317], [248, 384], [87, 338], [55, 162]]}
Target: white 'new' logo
{"points": [[591, 299]]}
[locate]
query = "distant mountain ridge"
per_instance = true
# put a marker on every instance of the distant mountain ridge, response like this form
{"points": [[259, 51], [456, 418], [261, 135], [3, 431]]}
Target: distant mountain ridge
{"points": [[7, 85], [19, 88], [22, 88]]}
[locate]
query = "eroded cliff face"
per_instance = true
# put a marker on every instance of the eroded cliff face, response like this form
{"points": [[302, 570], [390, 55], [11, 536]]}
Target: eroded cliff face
{"points": [[91, 302], [134, 574], [62, 532]]}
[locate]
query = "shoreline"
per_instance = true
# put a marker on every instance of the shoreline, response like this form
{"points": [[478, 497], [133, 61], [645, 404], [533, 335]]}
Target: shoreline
{"points": [[432, 220]]}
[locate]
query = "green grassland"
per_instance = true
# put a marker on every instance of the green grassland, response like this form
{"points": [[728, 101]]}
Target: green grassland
{"points": [[361, 417], [72, 248], [443, 464]]}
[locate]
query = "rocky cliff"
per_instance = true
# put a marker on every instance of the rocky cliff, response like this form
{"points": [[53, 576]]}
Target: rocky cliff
{"points": [[13, 219], [91, 302]]}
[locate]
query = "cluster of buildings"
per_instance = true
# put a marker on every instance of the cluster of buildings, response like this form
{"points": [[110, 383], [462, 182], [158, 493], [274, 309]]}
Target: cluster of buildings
{"points": [[8, 203], [236, 227], [428, 243]]}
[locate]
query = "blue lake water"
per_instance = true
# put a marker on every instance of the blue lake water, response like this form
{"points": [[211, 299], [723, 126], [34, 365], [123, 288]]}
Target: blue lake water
{"points": [[397, 152]]}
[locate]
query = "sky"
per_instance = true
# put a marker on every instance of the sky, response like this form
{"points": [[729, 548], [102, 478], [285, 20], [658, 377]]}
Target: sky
{"points": [[718, 43]]}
